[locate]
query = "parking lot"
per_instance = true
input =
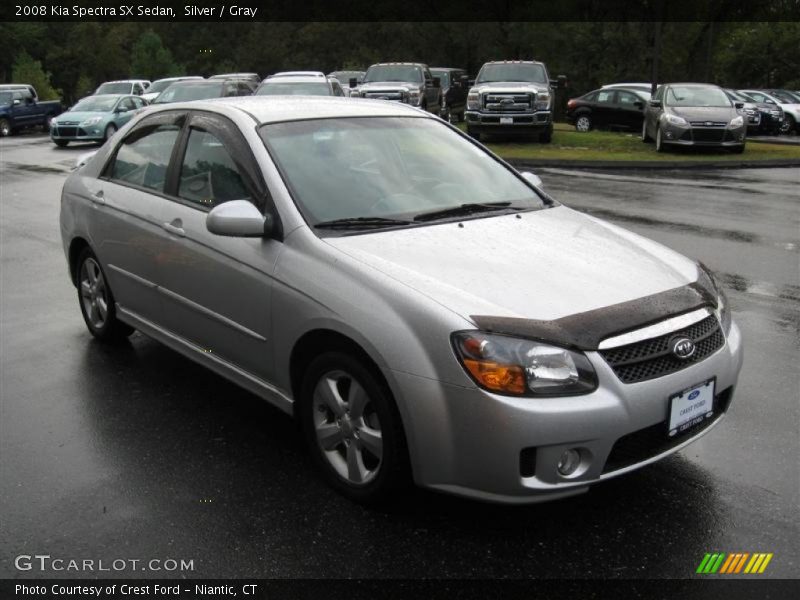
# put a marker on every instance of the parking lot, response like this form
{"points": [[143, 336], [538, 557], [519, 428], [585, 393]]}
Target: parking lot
{"points": [[136, 452]]}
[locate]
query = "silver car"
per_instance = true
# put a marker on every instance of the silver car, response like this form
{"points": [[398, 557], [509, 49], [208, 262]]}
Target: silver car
{"points": [[694, 114], [425, 311]]}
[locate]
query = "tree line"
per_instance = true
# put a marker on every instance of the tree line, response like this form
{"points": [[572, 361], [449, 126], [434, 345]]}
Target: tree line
{"points": [[69, 60]]}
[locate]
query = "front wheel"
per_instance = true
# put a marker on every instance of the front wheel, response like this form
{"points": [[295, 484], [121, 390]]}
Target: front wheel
{"points": [[546, 136], [110, 130], [659, 142], [645, 137], [97, 302], [5, 128], [788, 126], [738, 149], [352, 428], [583, 123]]}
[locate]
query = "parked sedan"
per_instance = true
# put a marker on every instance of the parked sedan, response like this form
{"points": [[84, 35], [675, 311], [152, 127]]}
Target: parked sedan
{"points": [[94, 119], [761, 117], [366, 268], [183, 91], [125, 86], [292, 84], [612, 108], [788, 104], [160, 85], [694, 114]]}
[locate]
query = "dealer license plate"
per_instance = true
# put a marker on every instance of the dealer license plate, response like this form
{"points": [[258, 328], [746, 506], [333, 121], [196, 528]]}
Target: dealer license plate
{"points": [[691, 407], [506, 120]]}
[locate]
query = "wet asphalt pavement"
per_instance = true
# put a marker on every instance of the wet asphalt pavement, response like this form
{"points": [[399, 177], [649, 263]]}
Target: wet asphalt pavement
{"points": [[134, 452]]}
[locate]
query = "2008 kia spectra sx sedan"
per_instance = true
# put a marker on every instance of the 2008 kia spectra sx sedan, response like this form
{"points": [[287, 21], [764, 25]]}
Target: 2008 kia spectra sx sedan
{"points": [[424, 310]]}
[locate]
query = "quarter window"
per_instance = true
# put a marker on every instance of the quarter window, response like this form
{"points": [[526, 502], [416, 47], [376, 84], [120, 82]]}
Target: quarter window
{"points": [[626, 98], [209, 175], [143, 157]]}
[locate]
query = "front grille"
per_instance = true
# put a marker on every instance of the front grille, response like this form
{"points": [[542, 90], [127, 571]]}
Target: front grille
{"points": [[508, 102], [652, 358], [67, 131], [387, 95], [708, 135], [707, 123], [652, 441]]}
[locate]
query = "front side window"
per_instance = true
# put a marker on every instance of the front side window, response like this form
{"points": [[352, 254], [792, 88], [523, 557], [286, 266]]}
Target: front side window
{"points": [[95, 104], [627, 99], [605, 97], [209, 176], [387, 167], [143, 157], [444, 77]]}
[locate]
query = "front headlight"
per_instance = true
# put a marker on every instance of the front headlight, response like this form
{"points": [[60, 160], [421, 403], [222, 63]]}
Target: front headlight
{"points": [[543, 101], [675, 120], [355, 93], [413, 97], [91, 121], [723, 309], [520, 367], [736, 122], [473, 101]]}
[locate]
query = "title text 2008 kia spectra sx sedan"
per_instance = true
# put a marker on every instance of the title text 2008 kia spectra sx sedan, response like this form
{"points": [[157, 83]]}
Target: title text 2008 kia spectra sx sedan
{"points": [[423, 309]]}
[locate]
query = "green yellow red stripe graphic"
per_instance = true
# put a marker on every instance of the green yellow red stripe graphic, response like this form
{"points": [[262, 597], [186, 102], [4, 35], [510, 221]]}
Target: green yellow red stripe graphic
{"points": [[734, 562]]}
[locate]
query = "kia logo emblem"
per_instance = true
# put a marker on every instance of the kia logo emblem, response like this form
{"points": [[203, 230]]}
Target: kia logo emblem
{"points": [[682, 347]]}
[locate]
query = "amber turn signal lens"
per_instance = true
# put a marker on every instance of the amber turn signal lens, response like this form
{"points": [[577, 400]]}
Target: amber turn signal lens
{"points": [[497, 377]]}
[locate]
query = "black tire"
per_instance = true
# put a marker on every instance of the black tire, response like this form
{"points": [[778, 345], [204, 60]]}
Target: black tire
{"points": [[645, 137], [111, 129], [475, 135], [789, 125], [738, 149], [110, 329], [391, 472], [546, 136], [659, 143], [5, 128]]}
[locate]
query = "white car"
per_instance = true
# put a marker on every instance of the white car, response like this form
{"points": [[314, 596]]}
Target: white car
{"points": [[789, 104], [422, 309], [159, 85]]}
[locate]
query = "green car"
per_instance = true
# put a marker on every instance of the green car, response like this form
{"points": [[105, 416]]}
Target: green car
{"points": [[94, 119]]}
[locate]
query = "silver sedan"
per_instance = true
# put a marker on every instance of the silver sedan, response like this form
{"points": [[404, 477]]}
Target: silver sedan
{"points": [[425, 311]]}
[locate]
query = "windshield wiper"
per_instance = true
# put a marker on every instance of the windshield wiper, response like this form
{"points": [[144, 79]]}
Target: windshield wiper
{"points": [[465, 209], [361, 222]]}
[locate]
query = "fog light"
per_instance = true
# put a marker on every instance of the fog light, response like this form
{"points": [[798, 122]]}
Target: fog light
{"points": [[669, 135], [569, 462]]}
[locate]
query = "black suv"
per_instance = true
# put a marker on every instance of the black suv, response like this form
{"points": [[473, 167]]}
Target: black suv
{"points": [[455, 84]]}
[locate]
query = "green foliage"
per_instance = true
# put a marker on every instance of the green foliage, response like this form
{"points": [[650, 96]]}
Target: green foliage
{"points": [[150, 59], [28, 70]]}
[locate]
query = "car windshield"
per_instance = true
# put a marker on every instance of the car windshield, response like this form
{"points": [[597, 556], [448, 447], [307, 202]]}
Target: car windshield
{"points": [[114, 88], [95, 104], [346, 76], [160, 86], [737, 96], [178, 92], [512, 72], [388, 168], [393, 73], [297, 88], [444, 76], [681, 95]]}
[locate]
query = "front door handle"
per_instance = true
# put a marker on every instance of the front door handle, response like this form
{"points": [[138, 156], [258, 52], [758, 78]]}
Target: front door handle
{"points": [[98, 197], [175, 227]]}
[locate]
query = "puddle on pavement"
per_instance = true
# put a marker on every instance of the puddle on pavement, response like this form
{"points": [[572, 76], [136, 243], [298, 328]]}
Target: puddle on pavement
{"points": [[761, 288], [34, 168]]}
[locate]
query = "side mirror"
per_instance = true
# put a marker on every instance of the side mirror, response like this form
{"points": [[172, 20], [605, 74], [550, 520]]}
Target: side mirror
{"points": [[16, 101], [437, 82], [238, 218], [559, 83], [532, 179], [738, 105], [639, 104], [353, 82], [655, 103], [464, 80]]}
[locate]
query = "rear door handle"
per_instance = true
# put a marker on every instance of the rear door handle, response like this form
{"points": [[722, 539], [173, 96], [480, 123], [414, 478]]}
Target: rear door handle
{"points": [[174, 227], [98, 197]]}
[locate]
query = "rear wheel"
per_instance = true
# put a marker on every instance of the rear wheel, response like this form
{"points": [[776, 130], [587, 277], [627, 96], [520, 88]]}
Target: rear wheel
{"points": [[352, 428], [583, 123], [789, 125], [5, 128], [97, 302]]}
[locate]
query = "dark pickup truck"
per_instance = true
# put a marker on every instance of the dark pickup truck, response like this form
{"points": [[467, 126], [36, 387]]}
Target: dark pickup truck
{"points": [[21, 109]]}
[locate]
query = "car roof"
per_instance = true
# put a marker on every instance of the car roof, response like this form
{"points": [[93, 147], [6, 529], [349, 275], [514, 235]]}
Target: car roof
{"points": [[295, 79], [117, 96], [273, 109], [234, 75], [446, 69], [413, 64], [513, 62], [181, 78], [123, 81], [281, 74]]}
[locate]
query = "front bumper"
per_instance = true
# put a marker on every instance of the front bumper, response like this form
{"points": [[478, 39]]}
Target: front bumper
{"points": [[687, 135], [503, 449], [74, 133], [499, 122]]}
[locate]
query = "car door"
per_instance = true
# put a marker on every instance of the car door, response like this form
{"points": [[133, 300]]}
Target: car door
{"points": [[603, 109], [126, 225], [23, 108], [431, 93], [124, 111], [458, 91], [217, 290], [628, 110]]}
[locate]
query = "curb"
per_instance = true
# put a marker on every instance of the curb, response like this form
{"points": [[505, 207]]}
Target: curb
{"points": [[648, 164]]}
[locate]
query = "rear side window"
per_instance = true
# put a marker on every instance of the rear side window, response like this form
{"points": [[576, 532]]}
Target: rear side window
{"points": [[627, 98], [143, 157], [209, 176], [605, 96]]}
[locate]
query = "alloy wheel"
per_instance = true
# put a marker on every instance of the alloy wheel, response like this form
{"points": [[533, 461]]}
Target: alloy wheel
{"points": [[94, 293], [583, 123], [347, 428], [5, 128]]}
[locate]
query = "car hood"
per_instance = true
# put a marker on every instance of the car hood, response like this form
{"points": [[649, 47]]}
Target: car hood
{"points": [[382, 85], [704, 113], [545, 265], [509, 86], [80, 116]]}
